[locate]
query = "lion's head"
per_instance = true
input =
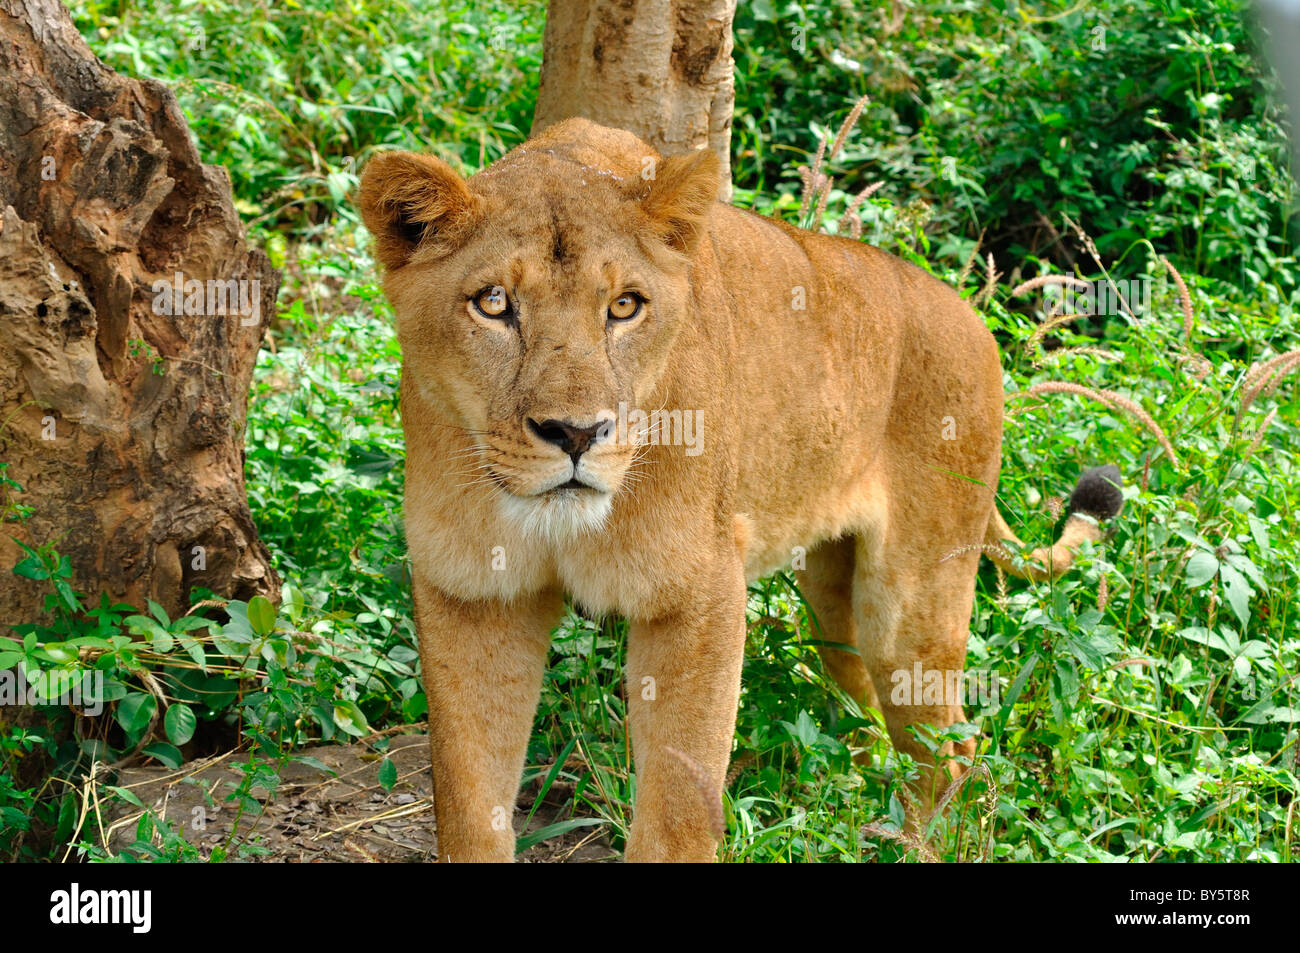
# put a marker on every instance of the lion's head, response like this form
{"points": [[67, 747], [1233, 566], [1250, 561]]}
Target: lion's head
{"points": [[534, 299]]}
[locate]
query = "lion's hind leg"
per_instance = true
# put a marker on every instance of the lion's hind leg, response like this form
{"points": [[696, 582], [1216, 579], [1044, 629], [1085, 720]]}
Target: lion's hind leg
{"points": [[913, 612], [826, 583]]}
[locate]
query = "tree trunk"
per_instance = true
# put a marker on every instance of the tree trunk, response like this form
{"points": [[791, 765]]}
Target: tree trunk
{"points": [[658, 68], [131, 311]]}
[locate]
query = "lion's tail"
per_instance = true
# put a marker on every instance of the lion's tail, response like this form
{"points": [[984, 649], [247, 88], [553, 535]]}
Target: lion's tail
{"points": [[1097, 497]]}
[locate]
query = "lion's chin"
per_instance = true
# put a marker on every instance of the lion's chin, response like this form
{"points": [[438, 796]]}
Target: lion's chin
{"points": [[558, 515]]}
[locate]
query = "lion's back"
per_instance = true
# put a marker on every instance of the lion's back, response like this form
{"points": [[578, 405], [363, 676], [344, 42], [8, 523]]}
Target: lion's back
{"points": [[853, 356]]}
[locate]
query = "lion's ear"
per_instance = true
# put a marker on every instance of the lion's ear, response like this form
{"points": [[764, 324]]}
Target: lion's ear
{"points": [[680, 197], [409, 200]]}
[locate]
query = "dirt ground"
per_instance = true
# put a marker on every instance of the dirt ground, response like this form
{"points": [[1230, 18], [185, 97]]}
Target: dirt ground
{"points": [[317, 816]]}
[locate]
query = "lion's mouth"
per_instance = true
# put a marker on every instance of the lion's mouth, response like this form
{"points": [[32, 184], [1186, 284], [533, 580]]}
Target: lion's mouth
{"points": [[572, 488], [569, 488], [573, 483]]}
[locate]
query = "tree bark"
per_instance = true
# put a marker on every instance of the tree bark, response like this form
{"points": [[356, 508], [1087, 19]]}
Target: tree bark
{"points": [[658, 68], [122, 419]]}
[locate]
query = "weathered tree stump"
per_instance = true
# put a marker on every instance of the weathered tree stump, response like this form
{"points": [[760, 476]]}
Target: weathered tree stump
{"points": [[131, 311]]}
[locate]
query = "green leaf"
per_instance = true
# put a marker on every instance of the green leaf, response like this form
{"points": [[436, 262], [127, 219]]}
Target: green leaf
{"points": [[1018, 685], [555, 830], [316, 763], [126, 795], [67, 818], [261, 615], [1201, 568], [387, 774], [60, 653], [1248, 569], [219, 692], [1198, 633], [107, 690], [143, 625], [179, 723], [1259, 531], [169, 755], [31, 569], [135, 711], [349, 717], [554, 771], [415, 707], [67, 595], [189, 623], [160, 614], [90, 641], [896, 812], [1238, 592], [163, 642], [195, 651], [804, 730], [293, 601]]}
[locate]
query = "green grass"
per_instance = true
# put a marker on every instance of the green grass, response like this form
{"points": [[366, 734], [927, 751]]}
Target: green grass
{"points": [[1149, 716]]}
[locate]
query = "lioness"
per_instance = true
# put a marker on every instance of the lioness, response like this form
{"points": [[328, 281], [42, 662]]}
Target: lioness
{"points": [[848, 405]]}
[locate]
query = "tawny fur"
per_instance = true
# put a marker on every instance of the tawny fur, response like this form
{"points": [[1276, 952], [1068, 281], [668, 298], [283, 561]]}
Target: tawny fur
{"points": [[849, 407]]}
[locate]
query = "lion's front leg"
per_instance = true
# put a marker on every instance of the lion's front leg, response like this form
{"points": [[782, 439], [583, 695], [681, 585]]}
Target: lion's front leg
{"points": [[683, 675], [483, 664]]}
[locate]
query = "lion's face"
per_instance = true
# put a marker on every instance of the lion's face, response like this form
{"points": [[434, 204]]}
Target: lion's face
{"points": [[531, 309]]}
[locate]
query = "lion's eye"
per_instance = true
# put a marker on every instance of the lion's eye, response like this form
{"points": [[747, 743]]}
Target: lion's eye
{"points": [[493, 303], [625, 307]]}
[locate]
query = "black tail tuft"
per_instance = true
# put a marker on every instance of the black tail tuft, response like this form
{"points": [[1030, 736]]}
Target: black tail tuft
{"points": [[1098, 493]]}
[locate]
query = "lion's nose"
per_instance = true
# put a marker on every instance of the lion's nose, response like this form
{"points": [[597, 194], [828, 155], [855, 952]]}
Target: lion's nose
{"points": [[573, 439]]}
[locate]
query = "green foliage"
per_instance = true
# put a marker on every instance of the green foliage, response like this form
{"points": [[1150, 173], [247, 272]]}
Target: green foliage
{"points": [[146, 684], [1147, 705], [324, 473], [291, 98], [1140, 120], [1148, 120]]}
